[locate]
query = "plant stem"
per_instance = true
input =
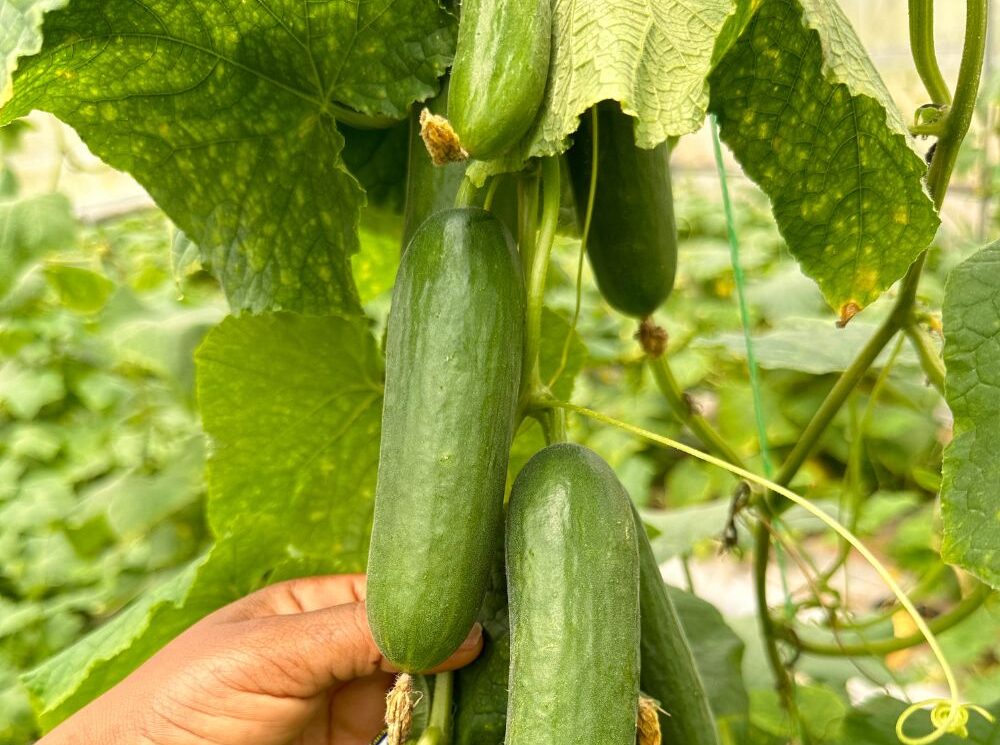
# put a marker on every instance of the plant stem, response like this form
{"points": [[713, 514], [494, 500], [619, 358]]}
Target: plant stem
{"points": [[930, 361], [924, 54], [537, 270], [938, 177], [969, 605], [684, 412], [440, 718], [466, 195]]}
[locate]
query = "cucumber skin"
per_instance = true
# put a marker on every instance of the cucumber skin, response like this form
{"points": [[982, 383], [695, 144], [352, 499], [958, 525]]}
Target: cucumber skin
{"points": [[632, 244], [453, 363], [500, 71], [481, 687], [668, 672], [573, 593], [429, 188]]}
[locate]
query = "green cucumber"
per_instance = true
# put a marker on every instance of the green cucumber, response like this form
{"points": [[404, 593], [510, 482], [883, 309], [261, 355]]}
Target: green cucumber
{"points": [[573, 592], [632, 244], [500, 70], [429, 188], [668, 672], [453, 361], [481, 687]]}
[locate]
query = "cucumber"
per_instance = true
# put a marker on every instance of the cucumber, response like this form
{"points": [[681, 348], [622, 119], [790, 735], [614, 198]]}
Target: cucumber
{"points": [[668, 672], [632, 244], [500, 70], [481, 687], [429, 188], [453, 361], [573, 590]]}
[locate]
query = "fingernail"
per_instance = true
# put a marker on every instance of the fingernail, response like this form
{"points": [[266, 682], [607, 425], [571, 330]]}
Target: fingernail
{"points": [[472, 640]]}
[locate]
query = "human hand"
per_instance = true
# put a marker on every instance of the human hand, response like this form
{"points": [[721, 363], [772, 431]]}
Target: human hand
{"points": [[294, 663]]}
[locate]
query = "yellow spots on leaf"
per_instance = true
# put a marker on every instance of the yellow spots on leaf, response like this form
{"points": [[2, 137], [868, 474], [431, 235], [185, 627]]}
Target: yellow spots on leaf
{"points": [[164, 130], [901, 214]]}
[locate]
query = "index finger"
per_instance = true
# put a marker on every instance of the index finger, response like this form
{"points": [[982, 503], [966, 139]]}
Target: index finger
{"points": [[296, 596]]}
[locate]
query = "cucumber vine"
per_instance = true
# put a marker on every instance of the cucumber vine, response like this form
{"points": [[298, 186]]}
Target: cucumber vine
{"points": [[947, 715]]}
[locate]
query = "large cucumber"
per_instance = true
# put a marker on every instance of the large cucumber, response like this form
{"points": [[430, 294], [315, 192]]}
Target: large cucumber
{"points": [[453, 362], [632, 245], [429, 188], [668, 671], [481, 687], [573, 590], [498, 78]]}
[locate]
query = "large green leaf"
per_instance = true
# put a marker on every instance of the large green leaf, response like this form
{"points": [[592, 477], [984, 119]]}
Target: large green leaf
{"points": [[225, 111], [970, 500], [292, 405], [809, 119], [652, 57], [718, 652]]}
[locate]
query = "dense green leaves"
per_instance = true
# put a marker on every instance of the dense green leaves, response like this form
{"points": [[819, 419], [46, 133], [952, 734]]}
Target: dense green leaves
{"points": [[29, 229], [225, 112], [292, 407], [653, 58], [808, 117], [970, 502]]}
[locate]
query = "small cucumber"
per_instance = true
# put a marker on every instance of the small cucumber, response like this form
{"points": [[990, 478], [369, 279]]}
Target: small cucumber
{"points": [[453, 361], [573, 590], [481, 687], [632, 245], [668, 671], [429, 188], [500, 70]]}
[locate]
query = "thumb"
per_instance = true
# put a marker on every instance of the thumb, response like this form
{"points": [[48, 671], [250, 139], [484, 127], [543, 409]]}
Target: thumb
{"points": [[323, 649]]}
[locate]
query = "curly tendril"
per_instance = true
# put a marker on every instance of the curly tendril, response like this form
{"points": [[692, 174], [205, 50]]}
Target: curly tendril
{"points": [[947, 717]]}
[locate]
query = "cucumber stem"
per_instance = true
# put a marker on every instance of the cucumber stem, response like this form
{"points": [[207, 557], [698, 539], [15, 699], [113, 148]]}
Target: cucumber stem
{"points": [[924, 54], [467, 192], [439, 724], [881, 647], [686, 414], [588, 216], [537, 270], [930, 360]]}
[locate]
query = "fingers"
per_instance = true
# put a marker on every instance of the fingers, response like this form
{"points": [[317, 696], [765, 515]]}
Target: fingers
{"points": [[324, 649], [357, 712], [296, 596]]}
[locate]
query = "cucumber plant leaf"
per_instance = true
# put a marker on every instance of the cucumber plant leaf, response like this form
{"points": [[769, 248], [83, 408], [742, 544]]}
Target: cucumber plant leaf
{"points": [[652, 57], [970, 501], [292, 408], [808, 117], [20, 35], [226, 113], [718, 654]]}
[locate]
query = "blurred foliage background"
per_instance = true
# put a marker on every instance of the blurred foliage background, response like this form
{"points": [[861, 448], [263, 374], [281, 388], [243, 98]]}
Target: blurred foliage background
{"points": [[101, 451]]}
